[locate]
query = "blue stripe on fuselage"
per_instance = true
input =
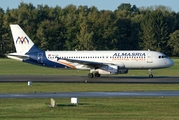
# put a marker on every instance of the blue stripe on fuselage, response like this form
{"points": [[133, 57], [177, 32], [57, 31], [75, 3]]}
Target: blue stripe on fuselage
{"points": [[33, 58]]}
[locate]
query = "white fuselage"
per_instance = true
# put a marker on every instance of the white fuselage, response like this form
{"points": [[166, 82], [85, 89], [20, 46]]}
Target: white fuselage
{"points": [[124, 59]]}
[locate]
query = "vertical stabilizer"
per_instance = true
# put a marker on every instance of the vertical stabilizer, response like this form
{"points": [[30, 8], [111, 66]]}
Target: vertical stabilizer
{"points": [[22, 42]]}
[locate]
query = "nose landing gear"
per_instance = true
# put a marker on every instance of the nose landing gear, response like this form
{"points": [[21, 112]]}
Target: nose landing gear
{"points": [[150, 73]]}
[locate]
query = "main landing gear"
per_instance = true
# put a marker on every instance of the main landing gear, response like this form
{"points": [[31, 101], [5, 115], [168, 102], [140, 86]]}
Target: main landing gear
{"points": [[96, 74], [150, 73], [91, 75]]}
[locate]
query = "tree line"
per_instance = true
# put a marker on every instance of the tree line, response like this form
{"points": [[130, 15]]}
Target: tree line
{"points": [[87, 28]]}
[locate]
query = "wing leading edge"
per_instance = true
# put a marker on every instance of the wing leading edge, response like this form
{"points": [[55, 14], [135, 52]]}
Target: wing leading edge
{"points": [[91, 64]]}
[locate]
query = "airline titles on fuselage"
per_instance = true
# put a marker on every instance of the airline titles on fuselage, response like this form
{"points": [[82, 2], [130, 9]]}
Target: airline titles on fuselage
{"points": [[135, 56], [130, 54]]}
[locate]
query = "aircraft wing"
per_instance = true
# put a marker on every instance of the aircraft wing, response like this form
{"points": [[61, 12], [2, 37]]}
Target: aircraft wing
{"points": [[84, 62]]}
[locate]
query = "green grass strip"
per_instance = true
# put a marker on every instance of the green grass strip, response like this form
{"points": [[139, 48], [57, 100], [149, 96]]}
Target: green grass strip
{"points": [[148, 108]]}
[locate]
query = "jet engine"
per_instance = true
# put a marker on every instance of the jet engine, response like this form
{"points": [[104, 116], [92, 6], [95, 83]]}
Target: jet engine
{"points": [[111, 69]]}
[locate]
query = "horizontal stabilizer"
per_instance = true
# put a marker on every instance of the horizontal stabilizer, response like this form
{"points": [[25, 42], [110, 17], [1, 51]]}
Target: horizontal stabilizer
{"points": [[17, 56]]}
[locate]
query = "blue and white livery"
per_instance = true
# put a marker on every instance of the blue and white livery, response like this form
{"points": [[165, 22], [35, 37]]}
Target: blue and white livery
{"points": [[97, 62]]}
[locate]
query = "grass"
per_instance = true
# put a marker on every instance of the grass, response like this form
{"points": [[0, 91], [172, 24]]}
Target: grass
{"points": [[13, 67], [129, 108], [135, 108]]}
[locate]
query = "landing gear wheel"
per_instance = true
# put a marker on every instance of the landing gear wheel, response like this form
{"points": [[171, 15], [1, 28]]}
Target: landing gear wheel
{"points": [[150, 73], [97, 74], [90, 75], [150, 76]]}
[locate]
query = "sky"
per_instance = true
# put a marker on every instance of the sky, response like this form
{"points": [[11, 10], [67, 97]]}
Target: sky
{"points": [[100, 4]]}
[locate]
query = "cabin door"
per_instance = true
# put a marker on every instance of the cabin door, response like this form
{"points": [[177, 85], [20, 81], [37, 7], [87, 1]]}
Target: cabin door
{"points": [[149, 57], [40, 58]]}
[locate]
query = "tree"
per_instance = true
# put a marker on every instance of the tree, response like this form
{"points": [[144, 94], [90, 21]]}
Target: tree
{"points": [[83, 27], [85, 37], [174, 43], [126, 34], [154, 31], [124, 6], [49, 35], [69, 20], [2, 49]]}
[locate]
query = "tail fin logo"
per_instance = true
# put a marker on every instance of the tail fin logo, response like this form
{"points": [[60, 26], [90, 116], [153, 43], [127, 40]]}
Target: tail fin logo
{"points": [[22, 40]]}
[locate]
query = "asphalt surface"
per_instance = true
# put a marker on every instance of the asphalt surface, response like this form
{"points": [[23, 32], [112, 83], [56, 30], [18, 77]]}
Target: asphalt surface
{"points": [[80, 79], [92, 94], [77, 79]]}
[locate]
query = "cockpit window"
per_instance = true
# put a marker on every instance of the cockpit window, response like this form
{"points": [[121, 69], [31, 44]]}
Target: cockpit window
{"points": [[163, 56]]}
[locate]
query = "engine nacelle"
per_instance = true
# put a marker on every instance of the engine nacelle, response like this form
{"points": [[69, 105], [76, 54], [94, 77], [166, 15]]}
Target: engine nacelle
{"points": [[111, 69], [123, 71], [108, 69]]}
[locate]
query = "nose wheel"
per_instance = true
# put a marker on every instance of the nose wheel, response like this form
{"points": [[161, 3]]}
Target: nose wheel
{"points": [[150, 73], [151, 76]]}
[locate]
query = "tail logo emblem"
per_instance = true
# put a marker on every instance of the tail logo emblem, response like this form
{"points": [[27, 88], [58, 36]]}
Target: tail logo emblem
{"points": [[22, 40]]}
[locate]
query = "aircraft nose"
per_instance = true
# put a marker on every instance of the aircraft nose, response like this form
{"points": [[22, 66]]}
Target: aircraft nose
{"points": [[170, 63]]}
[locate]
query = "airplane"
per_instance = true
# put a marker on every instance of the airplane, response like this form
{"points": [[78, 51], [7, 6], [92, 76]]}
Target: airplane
{"points": [[97, 62]]}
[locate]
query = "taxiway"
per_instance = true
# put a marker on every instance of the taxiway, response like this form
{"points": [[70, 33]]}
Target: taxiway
{"points": [[77, 79], [92, 94]]}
